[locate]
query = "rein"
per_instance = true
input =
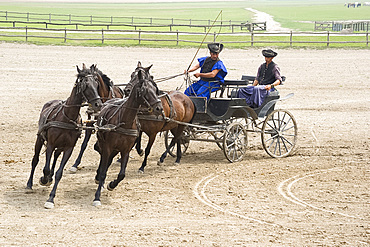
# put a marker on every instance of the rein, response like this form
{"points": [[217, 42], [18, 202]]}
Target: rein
{"points": [[167, 78]]}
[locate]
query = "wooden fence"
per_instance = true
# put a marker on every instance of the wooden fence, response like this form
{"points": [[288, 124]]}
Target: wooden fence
{"points": [[352, 26], [253, 38], [259, 26], [136, 22]]}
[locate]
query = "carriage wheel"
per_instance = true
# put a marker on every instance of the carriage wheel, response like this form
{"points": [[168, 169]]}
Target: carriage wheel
{"points": [[185, 140], [279, 133], [235, 142]]}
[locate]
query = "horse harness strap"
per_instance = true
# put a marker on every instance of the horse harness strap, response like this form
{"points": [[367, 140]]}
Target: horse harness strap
{"points": [[119, 129]]}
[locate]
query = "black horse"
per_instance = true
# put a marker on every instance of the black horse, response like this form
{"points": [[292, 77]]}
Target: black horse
{"points": [[106, 90], [59, 128], [118, 126]]}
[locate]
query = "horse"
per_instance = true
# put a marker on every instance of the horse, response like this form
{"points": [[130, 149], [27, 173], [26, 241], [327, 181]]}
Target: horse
{"points": [[106, 91], [177, 107], [118, 127], [59, 127]]}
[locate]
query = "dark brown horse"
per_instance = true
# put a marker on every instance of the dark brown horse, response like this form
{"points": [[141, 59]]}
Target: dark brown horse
{"points": [[118, 126], [177, 107], [59, 128], [106, 90]]}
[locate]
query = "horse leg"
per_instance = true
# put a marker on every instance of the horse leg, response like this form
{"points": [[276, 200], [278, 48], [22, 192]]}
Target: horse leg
{"points": [[88, 134], [164, 155], [58, 176], [56, 156], [35, 161], [178, 152], [178, 136], [100, 176], [45, 180], [110, 159], [121, 175], [147, 151], [138, 144]]}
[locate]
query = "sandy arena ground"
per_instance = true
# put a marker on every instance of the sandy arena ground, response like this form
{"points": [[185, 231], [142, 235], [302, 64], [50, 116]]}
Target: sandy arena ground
{"points": [[317, 197]]}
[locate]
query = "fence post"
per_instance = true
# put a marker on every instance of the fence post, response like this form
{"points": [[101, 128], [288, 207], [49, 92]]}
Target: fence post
{"points": [[65, 35], [139, 36], [214, 37], [26, 34], [13, 23], [252, 38], [291, 37], [102, 35], [6, 15], [111, 20], [76, 26], [132, 20], [28, 16], [177, 37], [70, 19], [49, 17], [91, 19], [367, 39], [327, 44]]}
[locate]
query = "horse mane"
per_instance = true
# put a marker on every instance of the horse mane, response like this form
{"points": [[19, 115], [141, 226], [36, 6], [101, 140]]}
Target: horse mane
{"points": [[107, 81]]}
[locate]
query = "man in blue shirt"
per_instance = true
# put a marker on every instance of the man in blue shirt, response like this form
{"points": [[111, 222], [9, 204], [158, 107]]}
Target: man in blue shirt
{"points": [[268, 77], [212, 73]]}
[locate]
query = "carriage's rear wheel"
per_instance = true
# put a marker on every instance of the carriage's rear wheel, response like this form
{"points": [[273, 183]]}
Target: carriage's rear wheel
{"points": [[235, 142], [279, 133], [185, 140]]}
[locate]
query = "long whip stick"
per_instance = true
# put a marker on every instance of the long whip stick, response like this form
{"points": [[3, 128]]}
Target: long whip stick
{"points": [[203, 40]]}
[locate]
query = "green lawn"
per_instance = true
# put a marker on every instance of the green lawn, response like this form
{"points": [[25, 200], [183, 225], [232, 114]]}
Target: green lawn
{"points": [[293, 14]]}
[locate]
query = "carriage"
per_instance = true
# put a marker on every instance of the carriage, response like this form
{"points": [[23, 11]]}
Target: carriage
{"points": [[226, 120]]}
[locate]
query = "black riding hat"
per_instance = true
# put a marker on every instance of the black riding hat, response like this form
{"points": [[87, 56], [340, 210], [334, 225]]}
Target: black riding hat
{"points": [[269, 53], [215, 47]]}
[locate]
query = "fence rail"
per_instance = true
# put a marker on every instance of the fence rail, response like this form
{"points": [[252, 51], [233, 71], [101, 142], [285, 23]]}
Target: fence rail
{"points": [[140, 36], [90, 19], [258, 26]]}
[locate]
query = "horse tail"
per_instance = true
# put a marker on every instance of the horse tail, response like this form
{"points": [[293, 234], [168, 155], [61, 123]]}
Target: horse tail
{"points": [[195, 111]]}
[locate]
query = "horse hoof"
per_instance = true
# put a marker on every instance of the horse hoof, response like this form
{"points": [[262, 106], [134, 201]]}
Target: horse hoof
{"points": [[159, 163], [141, 153], [49, 205], [96, 181], [176, 163], [73, 170], [109, 188], [96, 203], [47, 183], [140, 171], [28, 190]]}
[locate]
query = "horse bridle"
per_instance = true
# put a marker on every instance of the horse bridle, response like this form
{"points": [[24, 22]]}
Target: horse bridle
{"points": [[81, 86]]}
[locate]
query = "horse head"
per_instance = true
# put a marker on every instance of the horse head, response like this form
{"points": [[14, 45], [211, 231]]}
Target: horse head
{"points": [[145, 88], [87, 86], [134, 76]]}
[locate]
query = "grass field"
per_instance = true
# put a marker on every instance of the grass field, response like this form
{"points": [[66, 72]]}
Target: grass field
{"points": [[295, 15]]}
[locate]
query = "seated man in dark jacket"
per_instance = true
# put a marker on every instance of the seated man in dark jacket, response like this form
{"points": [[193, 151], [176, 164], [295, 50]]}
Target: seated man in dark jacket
{"points": [[268, 77]]}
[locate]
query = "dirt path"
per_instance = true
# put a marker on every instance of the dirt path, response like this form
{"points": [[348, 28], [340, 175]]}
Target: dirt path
{"points": [[317, 197]]}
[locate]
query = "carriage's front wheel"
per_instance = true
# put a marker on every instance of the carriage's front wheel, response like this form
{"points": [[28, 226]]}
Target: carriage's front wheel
{"points": [[185, 140], [235, 142], [279, 133]]}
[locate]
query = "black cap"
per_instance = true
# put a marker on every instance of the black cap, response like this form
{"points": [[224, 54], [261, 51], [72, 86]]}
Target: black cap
{"points": [[215, 47], [269, 53]]}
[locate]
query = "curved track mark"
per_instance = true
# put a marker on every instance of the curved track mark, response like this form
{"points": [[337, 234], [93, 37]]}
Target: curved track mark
{"points": [[204, 199], [291, 197]]}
